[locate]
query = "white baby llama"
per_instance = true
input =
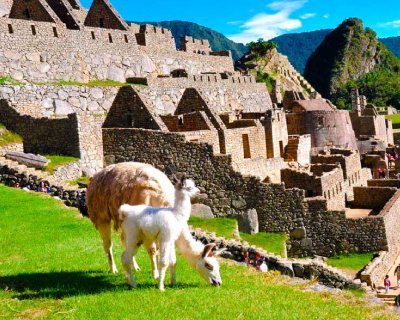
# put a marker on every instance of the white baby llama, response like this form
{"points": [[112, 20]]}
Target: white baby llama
{"points": [[164, 226]]}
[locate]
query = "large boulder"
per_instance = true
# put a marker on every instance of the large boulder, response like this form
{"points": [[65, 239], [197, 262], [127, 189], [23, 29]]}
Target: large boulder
{"points": [[248, 222]]}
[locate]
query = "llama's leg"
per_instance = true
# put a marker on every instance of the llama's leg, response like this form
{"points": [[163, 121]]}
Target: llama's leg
{"points": [[126, 259], [152, 251], [105, 233], [163, 262], [172, 264], [135, 264]]}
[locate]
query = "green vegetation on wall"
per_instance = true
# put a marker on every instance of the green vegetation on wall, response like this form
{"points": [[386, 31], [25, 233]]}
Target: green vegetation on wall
{"points": [[8, 137]]}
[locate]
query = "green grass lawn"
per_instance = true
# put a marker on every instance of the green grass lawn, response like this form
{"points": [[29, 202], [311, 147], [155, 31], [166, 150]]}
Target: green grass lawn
{"points": [[57, 161], [223, 227], [352, 261], [52, 266], [395, 118], [9, 137]]}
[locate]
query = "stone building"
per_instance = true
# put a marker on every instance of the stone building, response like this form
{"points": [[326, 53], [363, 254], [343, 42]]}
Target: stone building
{"points": [[373, 131]]}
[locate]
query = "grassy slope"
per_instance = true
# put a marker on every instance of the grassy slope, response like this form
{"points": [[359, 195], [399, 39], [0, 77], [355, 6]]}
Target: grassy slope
{"points": [[272, 242], [58, 160], [9, 137], [352, 261], [395, 118], [52, 266]]}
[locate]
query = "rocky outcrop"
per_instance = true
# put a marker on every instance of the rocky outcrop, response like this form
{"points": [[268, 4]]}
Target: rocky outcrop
{"points": [[347, 53]]}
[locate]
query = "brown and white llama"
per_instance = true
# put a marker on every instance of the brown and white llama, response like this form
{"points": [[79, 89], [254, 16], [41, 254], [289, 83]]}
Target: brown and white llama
{"points": [[137, 183], [147, 225], [132, 183]]}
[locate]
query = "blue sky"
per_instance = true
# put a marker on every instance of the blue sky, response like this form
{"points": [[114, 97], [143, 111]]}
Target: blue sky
{"points": [[247, 20]]}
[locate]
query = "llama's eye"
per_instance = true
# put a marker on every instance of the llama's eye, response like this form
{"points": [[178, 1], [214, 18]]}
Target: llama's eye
{"points": [[209, 266]]}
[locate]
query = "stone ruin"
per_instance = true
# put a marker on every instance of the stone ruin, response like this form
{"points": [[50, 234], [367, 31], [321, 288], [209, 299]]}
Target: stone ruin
{"points": [[294, 162]]}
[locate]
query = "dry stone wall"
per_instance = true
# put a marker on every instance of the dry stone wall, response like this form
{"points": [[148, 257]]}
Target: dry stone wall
{"points": [[43, 135], [40, 51], [312, 228]]}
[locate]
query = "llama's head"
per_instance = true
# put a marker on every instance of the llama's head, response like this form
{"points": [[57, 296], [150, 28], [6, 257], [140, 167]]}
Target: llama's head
{"points": [[208, 265], [186, 186]]}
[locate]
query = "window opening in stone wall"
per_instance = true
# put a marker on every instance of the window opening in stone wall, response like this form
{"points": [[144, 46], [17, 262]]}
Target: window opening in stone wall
{"points": [[320, 121], [180, 122], [246, 146], [155, 29], [126, 38], [33, 28], [93, 36], [129, 121], [329, 195], [281, 149], [162, 30], [27, 14], [10, 29], [101, 22], [55, 32], [110, 38]]}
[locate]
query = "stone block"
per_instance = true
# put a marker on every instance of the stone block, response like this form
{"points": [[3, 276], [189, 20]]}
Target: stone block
{"points": [[62, 108], [298, 270], [299, 233], [202, 211], [116, 74], [248, 222]]}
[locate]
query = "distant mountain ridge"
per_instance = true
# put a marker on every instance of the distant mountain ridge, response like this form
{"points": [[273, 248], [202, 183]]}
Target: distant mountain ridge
{"points": [[217, 40]]}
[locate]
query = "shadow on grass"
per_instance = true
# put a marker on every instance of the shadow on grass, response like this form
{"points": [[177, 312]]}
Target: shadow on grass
{"points": [[57, 285]]}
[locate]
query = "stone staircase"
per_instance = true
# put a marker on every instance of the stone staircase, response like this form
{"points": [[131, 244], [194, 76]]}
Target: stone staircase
{"points": [[41, 175], [389, 298]]}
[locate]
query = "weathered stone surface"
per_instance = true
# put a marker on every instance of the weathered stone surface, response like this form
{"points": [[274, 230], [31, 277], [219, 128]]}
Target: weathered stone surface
{"points": [[298, 233], [62, 108], [116, 74], [248, 222], [28, 159], [202, 211]]}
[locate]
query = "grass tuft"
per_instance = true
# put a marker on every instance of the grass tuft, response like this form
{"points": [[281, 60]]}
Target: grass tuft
{"points": [[8, 137], [57, 161]]}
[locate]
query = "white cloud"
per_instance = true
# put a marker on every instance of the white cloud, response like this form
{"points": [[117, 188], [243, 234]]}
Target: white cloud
{"points": [[326, 16], [307, 16], [268, 26], [392, 24], [234, 23]]}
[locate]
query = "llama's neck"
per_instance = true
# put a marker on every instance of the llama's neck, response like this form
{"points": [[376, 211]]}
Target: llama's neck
{"points": [[182, 206], [189, 248]]}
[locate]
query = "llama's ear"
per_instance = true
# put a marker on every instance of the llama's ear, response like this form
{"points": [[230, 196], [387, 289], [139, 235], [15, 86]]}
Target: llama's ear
{"points": [[207, 251], [183, 177], [175, 179], [218, 252]]}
